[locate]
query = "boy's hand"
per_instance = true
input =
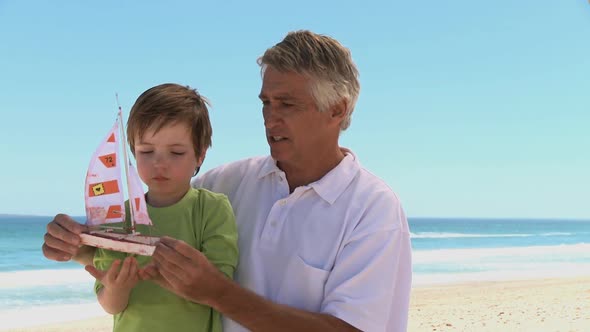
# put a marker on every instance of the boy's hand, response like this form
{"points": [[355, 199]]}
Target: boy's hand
{"points": [[119, 277], [149, 272]]}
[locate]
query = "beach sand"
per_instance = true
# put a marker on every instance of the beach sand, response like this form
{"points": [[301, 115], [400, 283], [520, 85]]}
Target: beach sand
{"points": [[527, 305], [97, 324], [531, 305]]}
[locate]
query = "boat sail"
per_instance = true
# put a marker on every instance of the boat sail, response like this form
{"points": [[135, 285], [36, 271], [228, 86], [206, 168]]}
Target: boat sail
{"points": [[105, 201]]}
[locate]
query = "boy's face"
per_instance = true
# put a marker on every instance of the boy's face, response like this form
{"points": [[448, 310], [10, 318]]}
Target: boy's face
{"points": [[166, 162]]}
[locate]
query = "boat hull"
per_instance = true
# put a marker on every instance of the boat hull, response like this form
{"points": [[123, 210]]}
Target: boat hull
{"points": [[129, 243]]}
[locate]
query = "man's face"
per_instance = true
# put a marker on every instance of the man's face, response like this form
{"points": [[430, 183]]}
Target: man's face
{"points": [[296, 131]]}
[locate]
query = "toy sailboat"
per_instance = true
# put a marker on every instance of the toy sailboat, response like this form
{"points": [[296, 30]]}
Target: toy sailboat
{"points": [[105, 202]]}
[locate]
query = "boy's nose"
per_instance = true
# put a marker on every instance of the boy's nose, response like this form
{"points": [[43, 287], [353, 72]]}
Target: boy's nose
{"points": [[159, 160]]}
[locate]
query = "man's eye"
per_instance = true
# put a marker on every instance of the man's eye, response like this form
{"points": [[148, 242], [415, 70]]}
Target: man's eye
{"points": [[146, 152], [178, 153]]}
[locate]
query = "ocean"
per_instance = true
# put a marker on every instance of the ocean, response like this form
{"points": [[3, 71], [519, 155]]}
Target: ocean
{"points": [[34, 290]]}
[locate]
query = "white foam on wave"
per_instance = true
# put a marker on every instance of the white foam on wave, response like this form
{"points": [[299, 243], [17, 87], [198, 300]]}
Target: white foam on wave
{"points": [[580, 251], [36, 278], [49, 314], [445, 235], [555, 271]]}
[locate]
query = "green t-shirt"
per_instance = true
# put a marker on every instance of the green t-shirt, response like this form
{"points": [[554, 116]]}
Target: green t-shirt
{"points": [[204, 220]]}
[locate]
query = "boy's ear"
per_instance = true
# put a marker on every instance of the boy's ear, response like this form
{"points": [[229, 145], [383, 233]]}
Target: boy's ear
{"points": [[201, 158]]}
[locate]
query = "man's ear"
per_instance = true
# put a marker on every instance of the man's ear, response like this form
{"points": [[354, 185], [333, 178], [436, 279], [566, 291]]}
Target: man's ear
{"points": [[338, 111]]}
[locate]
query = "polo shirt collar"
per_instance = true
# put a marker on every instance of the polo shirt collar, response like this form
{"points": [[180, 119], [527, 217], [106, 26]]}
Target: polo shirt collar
{"points": [[333, 184], [268, 167]]}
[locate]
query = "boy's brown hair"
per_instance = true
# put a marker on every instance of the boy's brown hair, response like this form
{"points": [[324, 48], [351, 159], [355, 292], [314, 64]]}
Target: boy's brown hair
{"points": [[168, 104]]}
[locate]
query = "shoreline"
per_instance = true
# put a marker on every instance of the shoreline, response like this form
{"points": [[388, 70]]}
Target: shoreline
{"points": [[540, 304]]}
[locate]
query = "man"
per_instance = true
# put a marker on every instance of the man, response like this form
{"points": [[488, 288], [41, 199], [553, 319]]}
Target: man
{"points": [[324, 244]]}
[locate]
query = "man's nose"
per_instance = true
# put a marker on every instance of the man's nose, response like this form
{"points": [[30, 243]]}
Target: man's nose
{"points": [[271, 117]]}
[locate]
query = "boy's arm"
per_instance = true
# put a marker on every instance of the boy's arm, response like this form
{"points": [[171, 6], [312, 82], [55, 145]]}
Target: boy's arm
{"points": [[112, 301], [113, 286]]}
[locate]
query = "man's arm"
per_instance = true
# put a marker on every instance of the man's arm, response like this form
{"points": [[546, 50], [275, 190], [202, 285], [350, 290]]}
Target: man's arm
{"points": [[185, 270], [84, 255], [258, 314], [368, 288]]}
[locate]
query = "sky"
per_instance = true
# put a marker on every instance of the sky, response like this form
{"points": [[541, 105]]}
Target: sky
{"points": [[467, 108]]}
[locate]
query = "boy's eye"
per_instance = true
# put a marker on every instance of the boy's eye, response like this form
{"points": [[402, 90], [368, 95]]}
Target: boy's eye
{"points": [[178, 153], [145, 151]]}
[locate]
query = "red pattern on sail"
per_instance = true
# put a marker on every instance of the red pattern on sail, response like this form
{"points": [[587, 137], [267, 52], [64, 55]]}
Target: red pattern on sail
{"points": [[103, 188], [109, 160], [114, 212]]}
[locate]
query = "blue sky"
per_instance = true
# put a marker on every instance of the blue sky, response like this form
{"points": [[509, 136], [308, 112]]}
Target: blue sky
{"points": [[467, 108]]}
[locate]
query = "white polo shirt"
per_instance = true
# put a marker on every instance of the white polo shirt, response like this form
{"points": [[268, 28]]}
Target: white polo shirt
{"points": [[339, 246]]}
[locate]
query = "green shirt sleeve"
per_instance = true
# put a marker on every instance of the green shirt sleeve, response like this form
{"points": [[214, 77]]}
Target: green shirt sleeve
{"points": [[219, 233]]}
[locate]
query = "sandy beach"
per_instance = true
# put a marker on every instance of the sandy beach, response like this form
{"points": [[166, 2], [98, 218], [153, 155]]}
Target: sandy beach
{"points": [[527, 305], [98, 324], [531, 305]]}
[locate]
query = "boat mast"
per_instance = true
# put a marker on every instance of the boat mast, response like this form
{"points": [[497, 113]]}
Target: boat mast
{"points": [[126, 162]]}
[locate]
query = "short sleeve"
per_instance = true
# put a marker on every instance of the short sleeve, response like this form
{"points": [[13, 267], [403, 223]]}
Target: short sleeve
{"points": [[220, 234], [369, 286]]}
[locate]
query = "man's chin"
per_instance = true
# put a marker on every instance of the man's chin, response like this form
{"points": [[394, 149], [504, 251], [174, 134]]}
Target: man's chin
{"points": [[276, 155]]}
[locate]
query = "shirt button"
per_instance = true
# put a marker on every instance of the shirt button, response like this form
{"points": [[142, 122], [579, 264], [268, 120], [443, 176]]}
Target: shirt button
{"points": [[283, 202]]}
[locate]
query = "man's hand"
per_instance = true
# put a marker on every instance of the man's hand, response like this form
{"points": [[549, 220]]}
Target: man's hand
{"points": [[185, 271], [62, 242], [150, 272]]}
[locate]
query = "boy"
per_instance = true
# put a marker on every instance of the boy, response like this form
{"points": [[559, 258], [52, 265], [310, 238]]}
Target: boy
{"points": [[168, 132]]}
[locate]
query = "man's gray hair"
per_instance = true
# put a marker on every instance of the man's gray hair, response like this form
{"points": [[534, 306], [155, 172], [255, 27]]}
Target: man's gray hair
{"points": [[329, 66]]}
